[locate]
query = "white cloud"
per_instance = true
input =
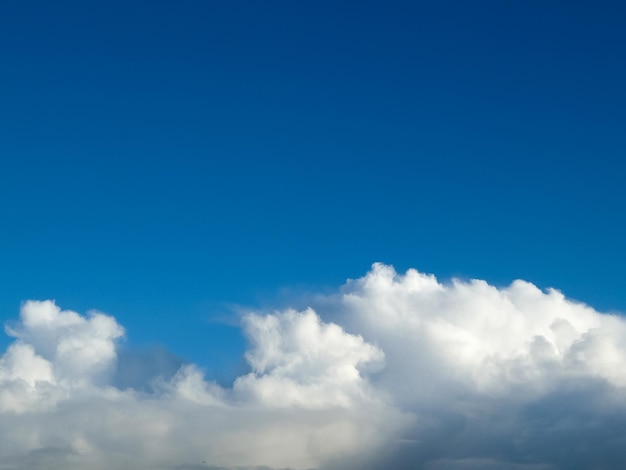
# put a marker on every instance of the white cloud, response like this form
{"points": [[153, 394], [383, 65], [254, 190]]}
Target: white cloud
{"points": [[396, 371], [481, 338], [297, 360], [81, 349], [481, 367], [302, 404]]}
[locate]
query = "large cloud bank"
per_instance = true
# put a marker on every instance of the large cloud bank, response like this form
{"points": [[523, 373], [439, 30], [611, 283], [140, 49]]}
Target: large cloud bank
{"points": [[394, 371]]}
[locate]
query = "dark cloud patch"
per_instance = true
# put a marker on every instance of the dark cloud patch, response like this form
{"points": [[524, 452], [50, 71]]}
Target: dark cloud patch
{"points": [[139, 368]]}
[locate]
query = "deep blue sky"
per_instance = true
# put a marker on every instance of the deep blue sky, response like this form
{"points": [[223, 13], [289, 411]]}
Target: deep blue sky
{"points": [[163, 160]]}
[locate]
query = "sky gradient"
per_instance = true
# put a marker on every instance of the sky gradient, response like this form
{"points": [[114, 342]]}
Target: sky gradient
{"points": [[178, 165]]}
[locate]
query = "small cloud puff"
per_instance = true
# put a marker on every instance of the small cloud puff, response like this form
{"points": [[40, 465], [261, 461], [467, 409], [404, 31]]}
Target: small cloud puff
{"points": [[298, 360]]}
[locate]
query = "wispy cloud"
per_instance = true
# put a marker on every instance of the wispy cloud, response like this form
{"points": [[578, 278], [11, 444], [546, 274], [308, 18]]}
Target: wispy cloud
{"points": [[396, 370]]}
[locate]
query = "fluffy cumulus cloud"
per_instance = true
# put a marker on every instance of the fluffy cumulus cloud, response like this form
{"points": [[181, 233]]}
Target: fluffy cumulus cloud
{"points": [[394, 371]]}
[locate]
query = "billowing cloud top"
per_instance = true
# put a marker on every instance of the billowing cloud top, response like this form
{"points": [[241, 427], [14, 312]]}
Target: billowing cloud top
{"points": [[395, 371]]}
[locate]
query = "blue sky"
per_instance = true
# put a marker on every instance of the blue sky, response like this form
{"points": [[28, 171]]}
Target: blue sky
{"points": [[161, 160], [169, 162]]}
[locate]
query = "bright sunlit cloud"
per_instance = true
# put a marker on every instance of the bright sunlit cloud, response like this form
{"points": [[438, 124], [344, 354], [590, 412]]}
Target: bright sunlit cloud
{"points": [[397, 370]]}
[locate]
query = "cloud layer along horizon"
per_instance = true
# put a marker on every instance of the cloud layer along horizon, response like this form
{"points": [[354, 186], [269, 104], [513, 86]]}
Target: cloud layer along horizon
{"points": [[393, 371]]}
